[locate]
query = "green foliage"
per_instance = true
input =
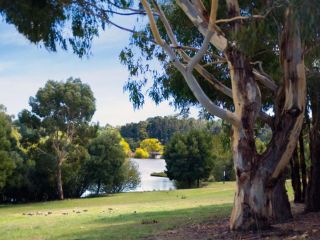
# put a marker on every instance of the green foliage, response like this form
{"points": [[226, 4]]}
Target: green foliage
{"points": [[151, 145], [7, 162], [53, 23], [34, 178], [141, 153], [74, 172], [61, 105], [189, 157], [53, 136], [126, 147], [163, 128], [167, 83], [134, 133], [108, 169], [127, 178], [64, 110], [260, 146]]}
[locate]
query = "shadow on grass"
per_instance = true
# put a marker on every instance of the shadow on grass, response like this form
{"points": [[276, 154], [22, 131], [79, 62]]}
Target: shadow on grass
{"points": [[138, 225]]}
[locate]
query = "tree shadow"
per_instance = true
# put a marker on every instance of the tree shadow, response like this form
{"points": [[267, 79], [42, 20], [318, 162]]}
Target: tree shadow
{"points": [[139, 225]]}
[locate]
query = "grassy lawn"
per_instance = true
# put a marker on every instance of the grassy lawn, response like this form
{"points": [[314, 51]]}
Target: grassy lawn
{"points": [[119, 216]]}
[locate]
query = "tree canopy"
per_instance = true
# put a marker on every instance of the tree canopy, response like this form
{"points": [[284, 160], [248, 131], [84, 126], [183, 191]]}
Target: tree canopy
{"points": [[163, 128], [151, 145], [7, 147], [108, 169], [61, 113], [62, 23]]}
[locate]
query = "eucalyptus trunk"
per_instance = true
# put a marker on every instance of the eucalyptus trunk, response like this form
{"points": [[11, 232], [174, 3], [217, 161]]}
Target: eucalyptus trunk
{"points": [[259, 177], [281, 210], [313, 191]]}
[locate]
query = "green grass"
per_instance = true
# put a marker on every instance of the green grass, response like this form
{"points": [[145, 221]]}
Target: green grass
{"points": [[118, 216]]}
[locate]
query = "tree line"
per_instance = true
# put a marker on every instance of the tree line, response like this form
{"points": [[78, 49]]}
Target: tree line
{"points": [[163, 128], [54, 151]]}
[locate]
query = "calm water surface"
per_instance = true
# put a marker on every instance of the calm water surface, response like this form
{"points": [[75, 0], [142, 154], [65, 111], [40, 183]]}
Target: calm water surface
{"points": [[149, 183]]}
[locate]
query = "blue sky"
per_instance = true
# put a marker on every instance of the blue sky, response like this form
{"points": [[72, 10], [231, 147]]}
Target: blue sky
{"points": [[25, 67]]}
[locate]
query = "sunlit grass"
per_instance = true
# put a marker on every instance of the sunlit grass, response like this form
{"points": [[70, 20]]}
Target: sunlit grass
{"points": [[119, 216]]}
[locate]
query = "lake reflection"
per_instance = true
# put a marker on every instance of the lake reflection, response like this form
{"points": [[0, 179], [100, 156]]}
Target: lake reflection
{"points": [[149, 183]]}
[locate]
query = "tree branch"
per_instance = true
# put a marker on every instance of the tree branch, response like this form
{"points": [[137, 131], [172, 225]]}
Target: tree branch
{"points": [[267, 82], [200, 69], [187, 71], [208, 76], [244, 17], [199, 20], [207, 103]]}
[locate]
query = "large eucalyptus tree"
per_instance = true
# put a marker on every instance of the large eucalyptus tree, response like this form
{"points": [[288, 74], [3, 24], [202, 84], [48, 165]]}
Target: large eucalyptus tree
{"points": [[258, 175]]}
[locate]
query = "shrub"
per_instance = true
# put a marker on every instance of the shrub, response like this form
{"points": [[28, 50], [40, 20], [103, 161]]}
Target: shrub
{"points": [[141, 153]]}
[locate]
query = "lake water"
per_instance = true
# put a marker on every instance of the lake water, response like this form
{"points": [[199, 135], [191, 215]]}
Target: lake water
{"points": [[149, 183]]}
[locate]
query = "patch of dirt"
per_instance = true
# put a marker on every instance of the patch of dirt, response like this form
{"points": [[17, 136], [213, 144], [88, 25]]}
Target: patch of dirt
{"points": [[303, 226]]}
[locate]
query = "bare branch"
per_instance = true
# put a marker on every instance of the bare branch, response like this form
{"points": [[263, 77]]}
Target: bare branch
{"points": [[196, 59], [214, 63], [213, 14], [200, 69], [159, 40], [199, 20], [199, 5], [187, 71], [208, 76], [166, 24], [207, 103], [121, 27], [244, 17], [266, 81], [153, 25], [238, 18]]}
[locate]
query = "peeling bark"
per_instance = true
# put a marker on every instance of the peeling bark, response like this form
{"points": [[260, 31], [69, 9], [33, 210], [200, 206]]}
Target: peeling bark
{"points": [[248, 201], [256, 204]]}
